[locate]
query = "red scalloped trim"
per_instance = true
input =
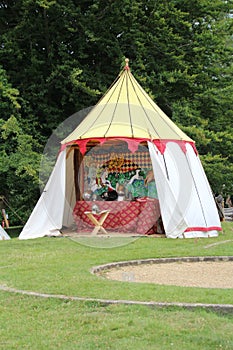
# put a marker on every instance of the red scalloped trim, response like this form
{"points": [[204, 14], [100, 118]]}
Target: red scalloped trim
{"points": [[132, 143]]}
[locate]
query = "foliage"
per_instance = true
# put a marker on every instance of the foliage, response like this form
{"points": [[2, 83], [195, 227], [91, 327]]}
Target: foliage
{"points": [[219, 173], [20, 162], [19, 155], [9, 96]]}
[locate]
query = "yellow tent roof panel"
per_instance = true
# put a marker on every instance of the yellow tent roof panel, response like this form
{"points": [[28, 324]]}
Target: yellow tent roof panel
{"points": [[126, 110]]}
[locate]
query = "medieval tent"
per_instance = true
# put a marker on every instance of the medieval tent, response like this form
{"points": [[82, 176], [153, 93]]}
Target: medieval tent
{"points": [[127, 157], [3, 234]]}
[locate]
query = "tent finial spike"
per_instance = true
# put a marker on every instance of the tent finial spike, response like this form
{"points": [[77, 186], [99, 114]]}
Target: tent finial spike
{"points": [[126, 64]]}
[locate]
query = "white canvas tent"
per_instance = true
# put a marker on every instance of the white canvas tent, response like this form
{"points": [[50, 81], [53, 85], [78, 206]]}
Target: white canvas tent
{"points": [[3, 234], [127, 113]]}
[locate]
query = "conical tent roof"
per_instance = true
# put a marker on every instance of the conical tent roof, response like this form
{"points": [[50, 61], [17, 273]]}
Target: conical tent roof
{"points": [[127, 111]]}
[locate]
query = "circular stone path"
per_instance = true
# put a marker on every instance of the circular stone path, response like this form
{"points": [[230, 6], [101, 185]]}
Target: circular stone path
{"points": [[206, 272], [141, 264]]}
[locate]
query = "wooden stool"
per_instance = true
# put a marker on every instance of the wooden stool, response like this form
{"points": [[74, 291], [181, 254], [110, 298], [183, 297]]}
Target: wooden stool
{"points": [[98, 224]]}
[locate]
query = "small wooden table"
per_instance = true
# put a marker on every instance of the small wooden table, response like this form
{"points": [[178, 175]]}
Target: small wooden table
{"points": [[98, 224]]}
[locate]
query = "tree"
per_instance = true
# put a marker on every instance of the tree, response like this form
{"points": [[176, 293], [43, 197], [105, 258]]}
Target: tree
{"points": [[19, 154]]}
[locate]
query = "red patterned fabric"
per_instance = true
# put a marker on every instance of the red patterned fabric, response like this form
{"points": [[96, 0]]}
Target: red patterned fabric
{"points": [[136, 217]]}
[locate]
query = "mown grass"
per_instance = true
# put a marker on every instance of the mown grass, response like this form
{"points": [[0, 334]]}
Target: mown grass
{"points": [[34, 323], [61, 266]]}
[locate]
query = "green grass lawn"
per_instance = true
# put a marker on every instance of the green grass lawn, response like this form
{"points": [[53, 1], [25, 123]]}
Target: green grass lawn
{"points": [[62, 266]]}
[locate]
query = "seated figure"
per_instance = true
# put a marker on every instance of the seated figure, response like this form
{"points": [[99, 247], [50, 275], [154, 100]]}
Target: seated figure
{"points": [[150, 184]]}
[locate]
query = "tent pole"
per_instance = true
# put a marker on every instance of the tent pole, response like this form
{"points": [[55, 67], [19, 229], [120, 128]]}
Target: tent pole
{"points": [[165, 167]]}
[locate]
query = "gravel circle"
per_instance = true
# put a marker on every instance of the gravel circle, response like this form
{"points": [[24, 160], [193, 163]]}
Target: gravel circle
{"points": [[204, 274]]}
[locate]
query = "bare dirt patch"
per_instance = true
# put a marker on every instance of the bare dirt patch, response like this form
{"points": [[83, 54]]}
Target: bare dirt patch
{"points": [[204, 274]]}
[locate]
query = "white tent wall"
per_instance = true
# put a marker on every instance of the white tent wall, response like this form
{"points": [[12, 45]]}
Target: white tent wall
{"points": [[186, 202], [46, 218], [3, 234], [70, 195], [203, 199], [171, 211]]}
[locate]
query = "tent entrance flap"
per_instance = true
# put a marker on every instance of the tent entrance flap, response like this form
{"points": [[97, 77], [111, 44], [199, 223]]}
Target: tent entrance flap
{"points": [[186, 201], [46, 218], [172, 215]]}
